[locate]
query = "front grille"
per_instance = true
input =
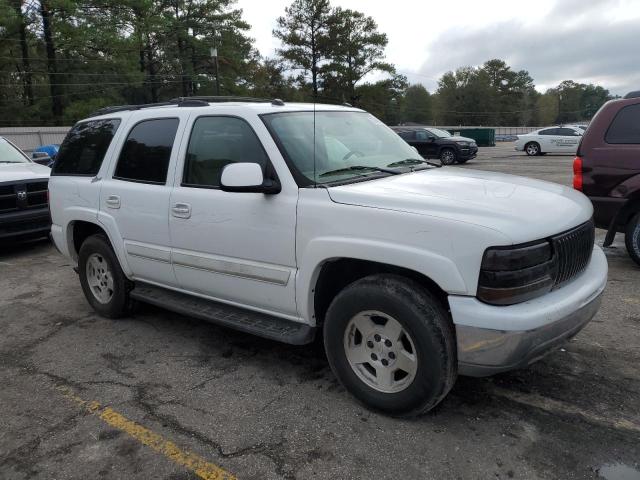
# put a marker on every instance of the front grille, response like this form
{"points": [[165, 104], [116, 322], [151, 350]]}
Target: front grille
{"points": [[572, 252], [23, 195]]}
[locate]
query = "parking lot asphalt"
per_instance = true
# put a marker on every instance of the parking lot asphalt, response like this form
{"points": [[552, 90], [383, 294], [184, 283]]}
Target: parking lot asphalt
{"points": [[162, 396]]}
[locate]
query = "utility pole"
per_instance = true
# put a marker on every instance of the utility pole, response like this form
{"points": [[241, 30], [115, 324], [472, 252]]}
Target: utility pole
{"points": [[214, 55]]}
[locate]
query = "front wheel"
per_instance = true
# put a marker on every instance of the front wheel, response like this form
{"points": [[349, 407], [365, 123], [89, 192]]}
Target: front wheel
{"points": [[391, 344], [103, 282], [448, 156], [632, 238], [532, 149]]}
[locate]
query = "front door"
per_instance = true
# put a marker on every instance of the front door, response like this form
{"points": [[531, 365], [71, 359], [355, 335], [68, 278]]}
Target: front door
{"points": [[134, 197], [235, 247]]}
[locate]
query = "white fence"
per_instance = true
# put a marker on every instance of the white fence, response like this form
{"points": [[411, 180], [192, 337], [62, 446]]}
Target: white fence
{"points": [[28, 138]]}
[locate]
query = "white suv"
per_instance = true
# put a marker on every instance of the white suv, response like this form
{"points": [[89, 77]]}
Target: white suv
{"points": [[292, 220]]}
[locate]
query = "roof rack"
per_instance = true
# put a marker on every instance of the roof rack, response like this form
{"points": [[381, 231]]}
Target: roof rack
{"points": [[195, 101], [635, 94]]}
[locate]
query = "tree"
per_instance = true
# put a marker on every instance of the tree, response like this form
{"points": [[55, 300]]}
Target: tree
{"points": [[384, 99], [355, 48], [303, 31], [417, 105]]}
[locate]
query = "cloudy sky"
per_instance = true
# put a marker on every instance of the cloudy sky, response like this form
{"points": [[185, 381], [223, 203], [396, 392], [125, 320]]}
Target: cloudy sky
{"points": [[595, 41]]}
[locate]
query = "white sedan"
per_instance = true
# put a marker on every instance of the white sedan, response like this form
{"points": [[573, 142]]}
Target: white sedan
{"points": [[550, 140]]}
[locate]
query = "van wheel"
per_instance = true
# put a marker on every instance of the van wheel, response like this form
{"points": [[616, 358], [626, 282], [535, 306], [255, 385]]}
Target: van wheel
{"points": [[532, 149], [103, 282], [448, 156], [632, 238], [391, 344]]}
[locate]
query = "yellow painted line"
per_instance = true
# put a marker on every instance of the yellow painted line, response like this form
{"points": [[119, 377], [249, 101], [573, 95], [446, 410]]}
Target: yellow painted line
{"points": [[191, 461], [551, 405]]}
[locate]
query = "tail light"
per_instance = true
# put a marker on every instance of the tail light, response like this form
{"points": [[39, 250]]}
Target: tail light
{"points": [[577, 173]]}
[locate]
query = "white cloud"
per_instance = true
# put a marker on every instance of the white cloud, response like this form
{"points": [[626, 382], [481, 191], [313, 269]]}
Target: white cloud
{"points": [[584, 40]]}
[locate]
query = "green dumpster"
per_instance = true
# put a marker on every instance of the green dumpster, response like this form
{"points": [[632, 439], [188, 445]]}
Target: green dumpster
{"points": [[484, 137]]}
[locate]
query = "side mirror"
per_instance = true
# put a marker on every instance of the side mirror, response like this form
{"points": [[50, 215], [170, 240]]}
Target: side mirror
{"points": [[41, 158], [431, 139], [246, 177]]}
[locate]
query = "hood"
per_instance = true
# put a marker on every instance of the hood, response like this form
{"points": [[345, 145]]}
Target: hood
{"points": [[521, 208], [457, 138], [11, 172]]}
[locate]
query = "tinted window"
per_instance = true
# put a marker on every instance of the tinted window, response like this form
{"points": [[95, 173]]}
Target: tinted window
{"points": [[567, 132], [84, 148], [422, 135], [625, 128], [216, 142], [146, 153], [407, 135], [548, 131]]}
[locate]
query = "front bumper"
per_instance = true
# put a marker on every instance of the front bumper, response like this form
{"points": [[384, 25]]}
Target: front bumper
{"points": [[24, 224], [493, 339], [467, 153]]}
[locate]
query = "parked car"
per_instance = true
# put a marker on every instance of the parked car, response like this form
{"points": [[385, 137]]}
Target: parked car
{"points": [[435, 143], [45, 154], [413, 273], [550, 140], [24, 210], [607, 170]]}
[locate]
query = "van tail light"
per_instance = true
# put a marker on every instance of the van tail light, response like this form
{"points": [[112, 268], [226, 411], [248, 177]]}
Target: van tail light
{"points": [[577, 173]]}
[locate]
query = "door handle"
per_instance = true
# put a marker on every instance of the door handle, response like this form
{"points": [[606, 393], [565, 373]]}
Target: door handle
{"points": [[181, 210], [113, 201]]}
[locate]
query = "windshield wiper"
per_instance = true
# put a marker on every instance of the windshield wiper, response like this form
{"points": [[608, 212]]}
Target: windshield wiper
{"points": [[413, 161], [358, 168]]}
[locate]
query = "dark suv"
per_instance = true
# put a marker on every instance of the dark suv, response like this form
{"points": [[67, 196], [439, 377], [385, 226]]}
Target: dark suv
{"points": [[607, 170], [435, 143]]}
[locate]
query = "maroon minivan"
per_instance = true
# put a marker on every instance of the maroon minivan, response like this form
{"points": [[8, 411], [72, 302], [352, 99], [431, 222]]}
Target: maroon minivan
{"points": [[607, 170]]}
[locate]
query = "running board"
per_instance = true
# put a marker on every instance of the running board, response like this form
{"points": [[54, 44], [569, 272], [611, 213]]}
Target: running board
{"points": [[248, 321]]}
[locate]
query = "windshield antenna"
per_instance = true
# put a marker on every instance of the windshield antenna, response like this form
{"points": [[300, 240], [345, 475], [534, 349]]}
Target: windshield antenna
{"points": [[315, 178]]}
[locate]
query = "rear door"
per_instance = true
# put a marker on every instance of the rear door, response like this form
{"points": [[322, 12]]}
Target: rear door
{"points": [[134, 198]]}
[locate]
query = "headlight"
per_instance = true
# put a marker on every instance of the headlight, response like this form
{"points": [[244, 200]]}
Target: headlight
{"points": [[463, 144], [515, 274]]}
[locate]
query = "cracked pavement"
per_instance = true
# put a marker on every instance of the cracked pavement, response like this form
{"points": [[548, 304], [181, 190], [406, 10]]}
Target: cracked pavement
{"points": [[263, 410]]}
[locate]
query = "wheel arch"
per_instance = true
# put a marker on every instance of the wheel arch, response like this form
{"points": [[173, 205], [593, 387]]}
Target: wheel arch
{"points": [[79, 230], [333, 275]]}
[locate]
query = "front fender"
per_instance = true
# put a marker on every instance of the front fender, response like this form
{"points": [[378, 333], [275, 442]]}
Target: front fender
{"points": [[442, 270]]}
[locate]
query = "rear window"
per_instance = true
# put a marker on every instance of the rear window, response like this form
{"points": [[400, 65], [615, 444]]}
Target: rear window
{"points": [[625, 127], [146, 153], [84, 148]]}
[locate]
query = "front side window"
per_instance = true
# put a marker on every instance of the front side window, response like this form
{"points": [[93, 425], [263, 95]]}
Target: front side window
{"points": [[343, 140], [146, 152], [422, 135], [84, 148], [625, 127], [439, 133], [216, 142], [10, 154]]}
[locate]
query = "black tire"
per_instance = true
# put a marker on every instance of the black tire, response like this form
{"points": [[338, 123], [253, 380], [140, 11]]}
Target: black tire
{"points": [[532, 149], [632, 238], [448, 156], [463, 160], [119, 303], [421, 316]]}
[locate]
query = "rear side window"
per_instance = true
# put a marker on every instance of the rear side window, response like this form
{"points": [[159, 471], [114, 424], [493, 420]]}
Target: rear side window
{"points": [[567, 132], [625, 127], [216, 142], [146, 152], [407, 135], [84, 148], [549, 131]]}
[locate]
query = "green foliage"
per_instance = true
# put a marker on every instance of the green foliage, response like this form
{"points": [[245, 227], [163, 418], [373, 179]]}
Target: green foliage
{"points": [[97, 53]]}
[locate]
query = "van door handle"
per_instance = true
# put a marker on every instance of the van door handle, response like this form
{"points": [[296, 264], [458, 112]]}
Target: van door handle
{"points": [[181, 210], [113, 201]]}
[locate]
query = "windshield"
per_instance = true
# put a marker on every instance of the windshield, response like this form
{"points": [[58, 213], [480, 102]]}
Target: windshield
{"points": [[10, 154], [342, 140], [440, 133]]}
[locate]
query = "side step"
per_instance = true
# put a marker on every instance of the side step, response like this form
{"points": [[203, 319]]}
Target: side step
{"points": [[256, 323]]}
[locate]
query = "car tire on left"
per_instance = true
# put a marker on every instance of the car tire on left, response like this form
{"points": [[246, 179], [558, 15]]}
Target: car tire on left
{"points": [[632, 238], [103, 282]]}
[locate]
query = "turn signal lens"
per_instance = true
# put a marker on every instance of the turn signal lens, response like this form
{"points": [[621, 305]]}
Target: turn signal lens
{"points": [[577, 173]]}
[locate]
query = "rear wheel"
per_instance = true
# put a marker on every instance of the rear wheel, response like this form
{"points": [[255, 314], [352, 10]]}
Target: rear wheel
{"points": [[632, 238], [103, 282], [532, 149], [391, 344], [448, 156]]}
